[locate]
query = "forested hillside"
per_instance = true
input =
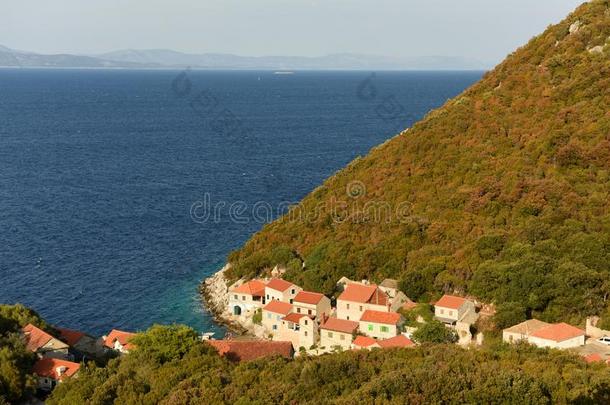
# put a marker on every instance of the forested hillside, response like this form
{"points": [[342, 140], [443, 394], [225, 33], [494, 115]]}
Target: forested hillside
{"points": [[503, 193], [170, 366], [16, 380]]}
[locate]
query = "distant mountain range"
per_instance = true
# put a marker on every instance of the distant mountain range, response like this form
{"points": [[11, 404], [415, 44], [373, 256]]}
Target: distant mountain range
{"points": [[164, 58]]}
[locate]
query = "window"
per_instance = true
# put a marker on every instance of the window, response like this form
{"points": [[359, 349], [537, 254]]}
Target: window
{"points": [[298, 310], [347, 305], [450, 313], [274, 327], [342, 336], [291, 300], [305, 333], [370, 327], [306, 322], [293, 291], [330, 334], [347, 317], [267, 296], [235, 296], [309, 311], [243, 297], [385, 329], [360, 308]]}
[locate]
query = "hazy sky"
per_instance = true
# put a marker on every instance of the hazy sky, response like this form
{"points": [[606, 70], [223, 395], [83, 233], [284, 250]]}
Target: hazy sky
{"points": [[483, 29]]}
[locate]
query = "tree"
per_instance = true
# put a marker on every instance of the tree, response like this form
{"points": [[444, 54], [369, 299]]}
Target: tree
{"points": [[509, 314], [434, 332]]}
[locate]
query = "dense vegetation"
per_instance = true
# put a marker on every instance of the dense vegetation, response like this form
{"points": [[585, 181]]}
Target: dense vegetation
{"points": [[16, 381], [171, 367], [503, 193]]}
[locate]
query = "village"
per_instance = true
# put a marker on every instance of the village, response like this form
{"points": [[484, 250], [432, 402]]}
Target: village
{"points": [[282, 319]]}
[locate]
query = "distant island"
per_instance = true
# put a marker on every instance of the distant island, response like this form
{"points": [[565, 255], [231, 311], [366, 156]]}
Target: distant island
{"points": [[168, 59]]}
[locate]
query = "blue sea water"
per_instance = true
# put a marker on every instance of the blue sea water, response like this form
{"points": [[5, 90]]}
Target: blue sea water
{"points": [[100, 170]]}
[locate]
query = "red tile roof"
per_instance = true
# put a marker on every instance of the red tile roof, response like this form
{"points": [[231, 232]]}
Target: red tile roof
{"points": [[251, 350], [122, 337], [558, 332], [70, 336], [357, 293], [293, 317], [340, 325], [365, 294], [387, 318], [308, 297], [35, 338], [255, 288], [593, 357], [278, 284], [278, 307], [364, 341], [450, 301], [48, 367], [397, 341]]}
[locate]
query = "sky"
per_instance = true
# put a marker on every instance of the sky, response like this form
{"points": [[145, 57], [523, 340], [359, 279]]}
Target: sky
{"points": [[486, 30]]}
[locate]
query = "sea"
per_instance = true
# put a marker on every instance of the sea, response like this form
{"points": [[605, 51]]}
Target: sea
{"points": [[121, 190]]}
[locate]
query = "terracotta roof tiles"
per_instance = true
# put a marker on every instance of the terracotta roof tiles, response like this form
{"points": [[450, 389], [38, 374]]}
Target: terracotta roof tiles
{"points": [[278, 307], [387, 318], [340, 325]]}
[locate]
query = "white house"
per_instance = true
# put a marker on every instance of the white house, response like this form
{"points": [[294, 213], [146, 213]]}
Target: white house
{"points": [[50, 372], [119, 341], [44, 345], [281, 290], [300, 329], [273, 313], [313, 304], [337, 333], [357, 298], [246, 297], [542, 334], [451, 309], [380, 325]]}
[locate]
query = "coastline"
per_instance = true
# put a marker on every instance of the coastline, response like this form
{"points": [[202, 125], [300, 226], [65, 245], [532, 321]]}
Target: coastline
{"points": [[214, 292]]}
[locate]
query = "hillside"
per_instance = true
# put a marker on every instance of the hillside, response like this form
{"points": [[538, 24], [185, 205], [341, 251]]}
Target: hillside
{"points": [[503, 193], [171, 366]]}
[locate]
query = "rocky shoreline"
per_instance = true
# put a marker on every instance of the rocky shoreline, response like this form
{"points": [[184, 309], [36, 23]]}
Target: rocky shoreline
{"points": [[214, 293]]}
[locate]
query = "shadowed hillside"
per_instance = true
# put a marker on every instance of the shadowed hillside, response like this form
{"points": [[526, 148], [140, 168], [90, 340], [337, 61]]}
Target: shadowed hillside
{"points": [[502, 193]]}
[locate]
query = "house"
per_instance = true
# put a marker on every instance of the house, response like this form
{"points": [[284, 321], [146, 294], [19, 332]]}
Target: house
{"points": [[451, 309], [237, 351], [396, 341], [313, 304], [300, 329], [281, 290], [119, 340], [273, 313], [364, 342], [357, 298], [380, 325], [43, 344], [80, 343], [246, 297], [50, 372], [338, 333], [542, 334]]}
